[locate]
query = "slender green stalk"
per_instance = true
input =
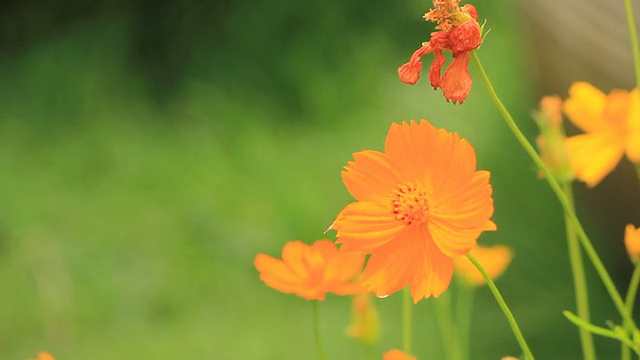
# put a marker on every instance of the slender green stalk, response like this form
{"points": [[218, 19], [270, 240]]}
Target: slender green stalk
{"points": [[557, 190], [629, 301], [633, 36], [579, 280], [316, 331], [505, 309], [464, 303], [407, 304], [599, 330], [447, 325]]}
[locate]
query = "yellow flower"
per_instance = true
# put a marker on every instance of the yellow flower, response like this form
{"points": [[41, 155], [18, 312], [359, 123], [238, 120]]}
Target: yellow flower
{"points": [[365, 323], [632, 242], [494, 260], [396, 354], [612, 128]]}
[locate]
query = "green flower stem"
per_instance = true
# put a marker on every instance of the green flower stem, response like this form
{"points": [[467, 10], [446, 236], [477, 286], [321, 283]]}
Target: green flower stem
{"points": [[447, 325], [633, 36], [464, 303], [629, 301], [407, 304], [579, 279], [599, 330], [505, 309], [582, 235], [316, 331]]}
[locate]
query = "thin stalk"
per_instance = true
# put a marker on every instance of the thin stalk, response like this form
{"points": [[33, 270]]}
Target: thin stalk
{"points": [[629, 301], [316, 331], [579, 280], [447, 325], [557, 190], [598, 330], [633, 36], [464, 303], [505, 309], [407, 304]]}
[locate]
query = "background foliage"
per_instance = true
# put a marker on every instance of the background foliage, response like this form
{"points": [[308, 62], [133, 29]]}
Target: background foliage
{"points": [[148, 151]]}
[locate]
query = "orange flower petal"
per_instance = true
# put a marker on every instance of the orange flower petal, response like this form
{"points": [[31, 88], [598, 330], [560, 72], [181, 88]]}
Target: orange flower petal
{"points": [[311, 271], [395, 354], [593, 156], [365, 225], [585, 107], [370, 175], [632, 143], [456, 81], [494, 260], [632, 242]]}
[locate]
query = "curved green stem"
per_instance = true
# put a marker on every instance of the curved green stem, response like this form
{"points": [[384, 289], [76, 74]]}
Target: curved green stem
{"points": [[557, 190], [633, 36], [505, 309], [579, 280], [316, 331], [407, 304], [598, 330], [629, 301]]}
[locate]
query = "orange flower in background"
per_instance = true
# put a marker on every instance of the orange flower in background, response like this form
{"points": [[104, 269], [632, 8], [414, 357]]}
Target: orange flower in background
{"points": [[612, 128], [396, 354], [310, 271], [551, 141], [494, 260], [365, 323], [420, 203], [460, 34], [44, 356], [632, 242]]}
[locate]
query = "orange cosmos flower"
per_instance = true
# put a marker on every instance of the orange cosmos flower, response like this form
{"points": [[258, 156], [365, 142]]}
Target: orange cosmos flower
{"points": [[420, 203], [459, 33], [310, 271], [612, 128], [44, 356], [632, 242], [365, 323], [494, 260], [396, 354]]}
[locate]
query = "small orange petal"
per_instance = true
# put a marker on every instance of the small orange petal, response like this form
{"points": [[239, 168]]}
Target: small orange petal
{"points": [[396, 354], [632, 242], [585, 107], [365, 225], [593, 156], [494, 260]]}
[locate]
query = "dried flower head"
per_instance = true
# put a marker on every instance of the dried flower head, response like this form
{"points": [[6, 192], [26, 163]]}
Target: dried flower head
{"points": [[460, 34]]}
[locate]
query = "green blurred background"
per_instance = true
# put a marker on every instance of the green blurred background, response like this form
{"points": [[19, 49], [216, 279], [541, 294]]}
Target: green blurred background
{"points": [[150, 150]]}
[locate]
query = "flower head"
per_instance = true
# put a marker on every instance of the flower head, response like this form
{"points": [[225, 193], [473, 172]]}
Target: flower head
{"points": [[460, 34], [44, 356], [612, 128], [632, 242], [419, 204], [551, 141], [365, 324], [494, 260], [396, 354], [310, 271]]}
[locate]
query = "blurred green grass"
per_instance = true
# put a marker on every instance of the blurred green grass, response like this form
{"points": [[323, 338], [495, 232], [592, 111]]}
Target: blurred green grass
{"points": [[129, 224]]}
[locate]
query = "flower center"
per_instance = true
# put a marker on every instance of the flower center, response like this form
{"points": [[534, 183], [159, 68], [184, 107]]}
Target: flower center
{"points": [[409, 203]]}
